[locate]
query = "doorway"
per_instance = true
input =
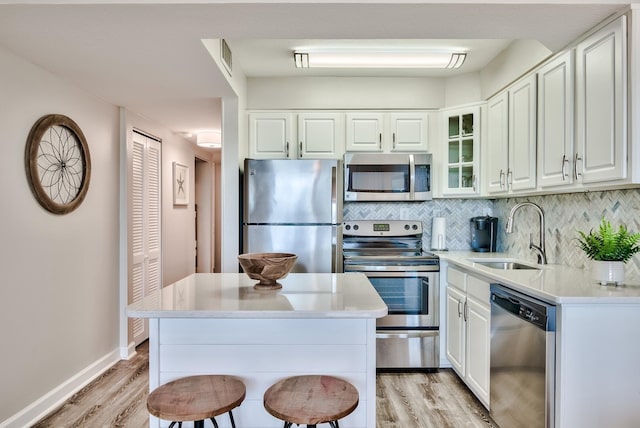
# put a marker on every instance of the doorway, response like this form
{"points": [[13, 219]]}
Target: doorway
{"points": [[204, 216]]}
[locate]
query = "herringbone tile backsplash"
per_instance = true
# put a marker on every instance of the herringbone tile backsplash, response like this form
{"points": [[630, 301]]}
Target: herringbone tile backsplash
{"points": [[456, 211], [564, 216]]}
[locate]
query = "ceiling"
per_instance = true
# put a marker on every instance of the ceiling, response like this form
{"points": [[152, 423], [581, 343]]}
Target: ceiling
{"points": [[149, 56]]}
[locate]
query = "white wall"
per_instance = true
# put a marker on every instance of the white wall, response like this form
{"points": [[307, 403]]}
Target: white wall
{"points": [[59, 289], [519, 57], [463, 89], [345, 93], [234, 131], [60, 294]]}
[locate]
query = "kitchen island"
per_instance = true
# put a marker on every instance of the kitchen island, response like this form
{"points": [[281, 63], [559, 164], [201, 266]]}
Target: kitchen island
{"points": [[218, 323]]}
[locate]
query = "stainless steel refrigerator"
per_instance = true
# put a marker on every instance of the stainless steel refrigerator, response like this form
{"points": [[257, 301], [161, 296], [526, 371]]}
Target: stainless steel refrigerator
{"points": [[295, 206]]}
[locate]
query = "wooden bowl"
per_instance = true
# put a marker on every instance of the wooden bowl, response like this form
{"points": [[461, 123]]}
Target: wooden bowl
{"points": [[268, 268]]}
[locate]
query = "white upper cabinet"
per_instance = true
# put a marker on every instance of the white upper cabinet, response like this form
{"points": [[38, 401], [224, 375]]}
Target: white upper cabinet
{"points": [[320, 135], [386, 132], [511, 138], [555, 121], [461, 151], [601, 105], [408, 131], [364, 131], [497, 143], [270, 135], [522, 134]]}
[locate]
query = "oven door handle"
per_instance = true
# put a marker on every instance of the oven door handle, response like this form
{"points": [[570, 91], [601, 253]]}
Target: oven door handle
{"points": [[402, 272], [406, 334]]}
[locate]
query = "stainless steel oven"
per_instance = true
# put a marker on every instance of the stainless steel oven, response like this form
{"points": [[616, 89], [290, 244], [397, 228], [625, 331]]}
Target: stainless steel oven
{"points": [[390, 254]]}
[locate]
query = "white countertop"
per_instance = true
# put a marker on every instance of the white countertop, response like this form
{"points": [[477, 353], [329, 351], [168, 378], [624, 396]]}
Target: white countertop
{"points": [[231, 295], [552, 283]]}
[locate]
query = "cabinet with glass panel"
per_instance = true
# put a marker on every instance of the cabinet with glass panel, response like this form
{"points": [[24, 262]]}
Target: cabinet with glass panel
{"points": [[462, 127]]}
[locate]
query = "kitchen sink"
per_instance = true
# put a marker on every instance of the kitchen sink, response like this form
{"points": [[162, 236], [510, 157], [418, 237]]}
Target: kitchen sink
{"points": [[504, 265]]}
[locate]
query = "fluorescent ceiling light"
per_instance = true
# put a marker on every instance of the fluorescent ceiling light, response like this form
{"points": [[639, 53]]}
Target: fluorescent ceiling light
{"points": [[378, 59], [209, 139]]}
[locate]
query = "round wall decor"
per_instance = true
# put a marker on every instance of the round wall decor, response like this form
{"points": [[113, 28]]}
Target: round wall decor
{"points": [[58, 163]]}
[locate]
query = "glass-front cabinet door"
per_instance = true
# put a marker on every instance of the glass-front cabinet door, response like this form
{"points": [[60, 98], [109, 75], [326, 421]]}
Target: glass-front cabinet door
{"points": [[462, 128]]}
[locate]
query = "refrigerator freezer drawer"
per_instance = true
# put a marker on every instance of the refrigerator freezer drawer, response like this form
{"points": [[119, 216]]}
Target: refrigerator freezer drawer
{"points": [[318, 247]]}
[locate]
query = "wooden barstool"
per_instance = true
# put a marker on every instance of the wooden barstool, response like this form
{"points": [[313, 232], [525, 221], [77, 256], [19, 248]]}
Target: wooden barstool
{"points": [[311, 400], [196, 398]]}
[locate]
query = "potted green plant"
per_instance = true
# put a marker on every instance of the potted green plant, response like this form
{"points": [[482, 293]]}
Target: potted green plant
{"points": [[610, 249]]}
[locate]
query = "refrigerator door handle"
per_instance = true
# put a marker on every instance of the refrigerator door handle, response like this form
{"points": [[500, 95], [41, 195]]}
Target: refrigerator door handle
{"points": [[412, 178], [339, 268], [334, 195], [335, 237]]}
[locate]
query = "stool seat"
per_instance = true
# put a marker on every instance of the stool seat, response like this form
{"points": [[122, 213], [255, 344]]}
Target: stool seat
{"points": [[196, 398], [311, 399]]}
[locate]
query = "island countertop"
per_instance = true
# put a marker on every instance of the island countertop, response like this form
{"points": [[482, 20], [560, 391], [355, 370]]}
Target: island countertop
{"points": [[231, 295]]}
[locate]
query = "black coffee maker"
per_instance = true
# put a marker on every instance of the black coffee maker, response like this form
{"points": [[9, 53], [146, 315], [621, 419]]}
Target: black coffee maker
{"points": [[483, 234]]}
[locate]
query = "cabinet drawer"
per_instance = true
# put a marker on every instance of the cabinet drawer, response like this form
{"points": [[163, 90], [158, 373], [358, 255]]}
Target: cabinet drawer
{"points": [[478, 289], [456, 278]]}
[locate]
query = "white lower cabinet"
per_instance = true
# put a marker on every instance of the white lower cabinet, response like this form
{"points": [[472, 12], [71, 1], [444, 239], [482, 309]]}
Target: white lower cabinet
{"points": [[468, 330]]}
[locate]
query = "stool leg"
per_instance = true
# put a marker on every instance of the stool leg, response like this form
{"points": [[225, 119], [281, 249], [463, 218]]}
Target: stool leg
{"points": [[288, 425], [198, 424], [233, 423], [215, 424]]}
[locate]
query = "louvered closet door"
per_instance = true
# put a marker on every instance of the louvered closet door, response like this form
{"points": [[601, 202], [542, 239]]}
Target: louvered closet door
{"points": [[146, 270]]}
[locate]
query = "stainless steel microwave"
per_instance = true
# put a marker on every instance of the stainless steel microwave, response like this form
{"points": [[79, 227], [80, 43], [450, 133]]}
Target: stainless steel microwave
{"points": [[387, 177]]}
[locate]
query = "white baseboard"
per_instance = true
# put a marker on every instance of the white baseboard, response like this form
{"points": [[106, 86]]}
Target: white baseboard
{"points": [[54, 398], [126, 353]]}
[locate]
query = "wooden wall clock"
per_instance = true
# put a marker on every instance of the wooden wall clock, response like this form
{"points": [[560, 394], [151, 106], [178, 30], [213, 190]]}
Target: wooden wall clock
{"points": [[58, 163]]}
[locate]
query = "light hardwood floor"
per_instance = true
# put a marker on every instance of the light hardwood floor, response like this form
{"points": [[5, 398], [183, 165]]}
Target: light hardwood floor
{"points": [[404, 400]]}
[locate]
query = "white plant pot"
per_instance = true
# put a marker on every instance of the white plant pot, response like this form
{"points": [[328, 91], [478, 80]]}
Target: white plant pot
{"points": [[608, 273]]}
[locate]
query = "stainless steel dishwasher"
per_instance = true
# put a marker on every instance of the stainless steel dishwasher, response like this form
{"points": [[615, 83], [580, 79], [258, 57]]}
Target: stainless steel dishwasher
{"points": [[522, 375]]}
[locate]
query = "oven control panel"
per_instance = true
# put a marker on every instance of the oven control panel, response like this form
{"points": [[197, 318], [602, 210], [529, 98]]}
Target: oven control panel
{"points": [[382, 228]]}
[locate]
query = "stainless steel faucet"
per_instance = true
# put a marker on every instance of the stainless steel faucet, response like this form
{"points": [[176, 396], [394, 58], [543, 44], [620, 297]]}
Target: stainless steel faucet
{"points": [[540, 251]]}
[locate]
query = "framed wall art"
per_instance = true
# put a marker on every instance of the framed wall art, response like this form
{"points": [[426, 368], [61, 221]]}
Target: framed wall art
{"points": [[180, 184], [58, 163]]}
